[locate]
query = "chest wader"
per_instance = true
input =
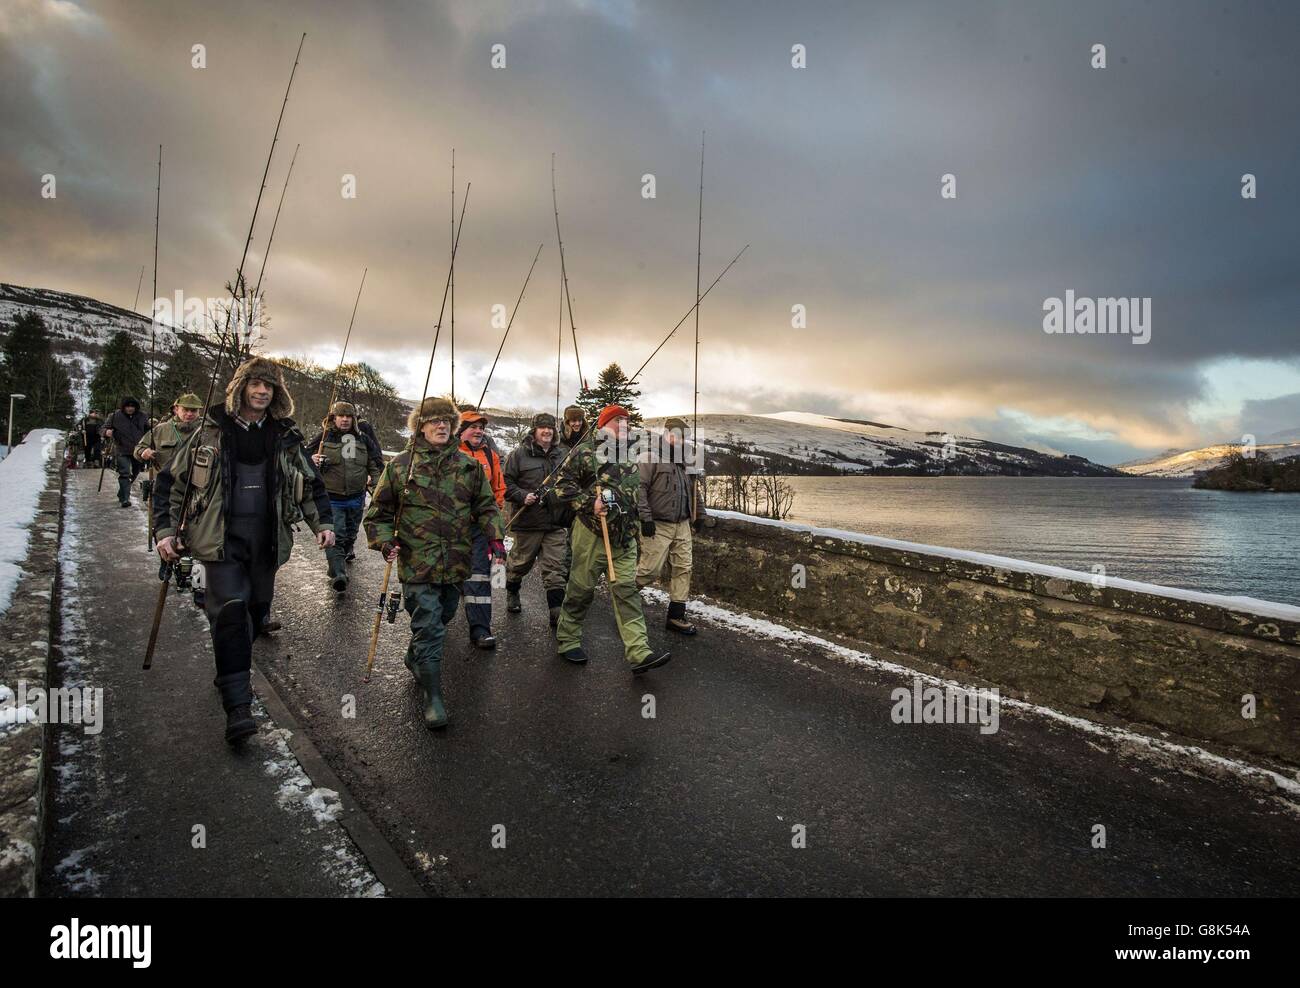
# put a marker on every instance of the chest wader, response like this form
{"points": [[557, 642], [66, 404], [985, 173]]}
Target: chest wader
{"points": [[239, 587]]}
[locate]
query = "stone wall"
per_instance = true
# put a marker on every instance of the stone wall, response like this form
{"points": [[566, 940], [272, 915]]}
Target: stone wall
{"points": [[26, 632], [1182, 666]]}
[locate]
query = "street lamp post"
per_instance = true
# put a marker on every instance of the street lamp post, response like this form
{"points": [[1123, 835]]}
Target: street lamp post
{"points": [[12, 398]]}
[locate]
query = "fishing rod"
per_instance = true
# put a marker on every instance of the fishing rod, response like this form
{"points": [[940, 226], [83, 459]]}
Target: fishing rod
{"points": [[410, 450], [246, 350], [181, 517], [559, 348], [453, 279], [153, 348], [695, 387], [549, 481], [135, 306], [334, 380], [695, 307], [564, 274], [508, 325]]}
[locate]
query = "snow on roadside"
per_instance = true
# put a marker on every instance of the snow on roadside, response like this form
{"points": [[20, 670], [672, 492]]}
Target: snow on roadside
{"points": [[22, 478], [761, 628], [1249, 605]]}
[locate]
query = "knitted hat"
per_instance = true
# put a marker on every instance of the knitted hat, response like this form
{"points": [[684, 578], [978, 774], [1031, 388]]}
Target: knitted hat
{"points": [[189, 400], [609, 413], [433, 408]]}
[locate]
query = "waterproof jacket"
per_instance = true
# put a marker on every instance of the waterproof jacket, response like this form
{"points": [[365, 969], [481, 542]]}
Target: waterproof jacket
{"points": [[352, 462], [296, 491], [489, 459], [670, 490], [448, 497], [588, 466], [527, 468], [127, 429], [167, 437]]}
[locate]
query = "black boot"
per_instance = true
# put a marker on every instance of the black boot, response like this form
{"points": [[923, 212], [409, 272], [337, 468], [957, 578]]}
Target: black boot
{"points": [[338, 569], [554, 601], [575, 655], [651, 662], [677, 618], [263, 623], [513, 606], [233, 651]]}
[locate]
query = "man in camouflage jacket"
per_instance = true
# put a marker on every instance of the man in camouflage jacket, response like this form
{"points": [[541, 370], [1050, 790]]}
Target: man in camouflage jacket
{"points": [[442, 497], [603, 462]]}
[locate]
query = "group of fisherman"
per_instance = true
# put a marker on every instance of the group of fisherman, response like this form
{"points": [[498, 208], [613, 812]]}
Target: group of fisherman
{"points": [[576, 499]]}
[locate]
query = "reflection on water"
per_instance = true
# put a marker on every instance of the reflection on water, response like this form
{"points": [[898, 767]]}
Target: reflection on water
{"points": [[1157, 531]]}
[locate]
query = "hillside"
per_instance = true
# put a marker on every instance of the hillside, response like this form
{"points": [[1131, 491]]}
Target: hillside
{"points": [[1190, 462], [806, 443], [79, 327]]}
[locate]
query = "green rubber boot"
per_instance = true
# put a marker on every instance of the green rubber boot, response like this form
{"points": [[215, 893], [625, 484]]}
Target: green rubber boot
{"points": [[429, 676]]}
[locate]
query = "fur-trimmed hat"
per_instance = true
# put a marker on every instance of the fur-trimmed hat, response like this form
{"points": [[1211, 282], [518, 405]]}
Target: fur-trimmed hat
{"points": [[675, 424], [433, 408], [260, 369], [543, 420], [344, 408], [575, 409]]}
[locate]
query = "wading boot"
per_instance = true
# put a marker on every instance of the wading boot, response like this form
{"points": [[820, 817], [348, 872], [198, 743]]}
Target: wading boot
{"points": [[233, 653], [513, 606], [429, 676], [677, 618], [338, 569], [554, 601]]}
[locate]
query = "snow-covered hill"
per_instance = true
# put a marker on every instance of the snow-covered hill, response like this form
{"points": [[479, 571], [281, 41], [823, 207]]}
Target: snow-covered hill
{"points": [[79, 328], [803, 442], [1189, 462]]}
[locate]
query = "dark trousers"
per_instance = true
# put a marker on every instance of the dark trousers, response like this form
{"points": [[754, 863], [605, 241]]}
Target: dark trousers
{"points": [[431, 606], [127, 469], [238, 592], [92, 452], [478, 588], [347, 520]]}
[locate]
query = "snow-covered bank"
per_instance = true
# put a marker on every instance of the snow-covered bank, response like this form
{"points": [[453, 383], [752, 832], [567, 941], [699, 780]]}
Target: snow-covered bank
{"points": [[22, 478]]}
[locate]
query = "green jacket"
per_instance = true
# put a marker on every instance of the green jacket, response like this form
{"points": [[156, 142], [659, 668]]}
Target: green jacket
{"points": [[352, 462], [297, 493], [166, 437], [592, 463], [447, 498]]}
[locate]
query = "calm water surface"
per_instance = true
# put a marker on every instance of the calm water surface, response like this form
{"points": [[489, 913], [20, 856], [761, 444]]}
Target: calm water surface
{"points": [[1157, 531]]}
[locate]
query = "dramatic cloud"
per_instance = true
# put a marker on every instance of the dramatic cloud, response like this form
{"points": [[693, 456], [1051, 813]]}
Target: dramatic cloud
{"points": [[921, 310]]}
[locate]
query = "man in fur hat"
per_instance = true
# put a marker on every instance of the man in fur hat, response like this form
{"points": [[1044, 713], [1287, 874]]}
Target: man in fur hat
{"points": [[476, 444], [540, 524], [600, 482], [248, 482], [350, 463], [430, 502]]}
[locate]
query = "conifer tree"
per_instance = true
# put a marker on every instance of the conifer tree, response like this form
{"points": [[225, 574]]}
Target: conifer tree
{"points": [[30, 369], [120, 373], [612, 388], [184, 372]]}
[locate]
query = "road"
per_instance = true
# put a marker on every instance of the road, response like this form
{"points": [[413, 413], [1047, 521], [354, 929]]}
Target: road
{"points": [[751, 737]]}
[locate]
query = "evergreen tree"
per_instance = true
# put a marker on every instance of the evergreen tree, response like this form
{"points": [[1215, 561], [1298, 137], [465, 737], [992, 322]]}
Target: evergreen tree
{"points": [[31, 369], [185, 372], [612, 388], [120, 373]]}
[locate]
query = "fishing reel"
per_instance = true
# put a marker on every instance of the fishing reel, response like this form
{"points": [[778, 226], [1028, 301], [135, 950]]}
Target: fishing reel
{"points": [[612, 506], [394, 603], [182, 573], [146, 490]]}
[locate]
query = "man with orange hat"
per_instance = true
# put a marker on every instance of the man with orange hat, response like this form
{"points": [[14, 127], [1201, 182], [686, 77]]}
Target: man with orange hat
{"points": [[600, 481], [475, 443]]}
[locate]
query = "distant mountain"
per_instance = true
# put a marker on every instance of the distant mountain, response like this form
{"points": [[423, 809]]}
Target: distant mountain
{"points": [[79, 328], [806, 443], [1190, 462]]}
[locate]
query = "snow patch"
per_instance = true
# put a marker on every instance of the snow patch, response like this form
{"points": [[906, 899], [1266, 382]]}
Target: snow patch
{"points": [[22, 478]]}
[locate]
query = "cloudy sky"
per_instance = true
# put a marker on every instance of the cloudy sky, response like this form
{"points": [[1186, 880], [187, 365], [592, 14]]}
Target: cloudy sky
{"points": [[922, 311]]}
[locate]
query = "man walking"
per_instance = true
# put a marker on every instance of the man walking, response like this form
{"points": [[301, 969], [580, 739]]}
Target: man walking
{"points": [[430, 503], [475, 444], [350, 463], [249, 482], [540, 524], [671, 506], [600, 481], [125, 427]]}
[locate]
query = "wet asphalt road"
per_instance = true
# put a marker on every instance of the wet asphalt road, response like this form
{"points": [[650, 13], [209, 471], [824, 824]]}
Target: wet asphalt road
{"points": [[751, 737]]}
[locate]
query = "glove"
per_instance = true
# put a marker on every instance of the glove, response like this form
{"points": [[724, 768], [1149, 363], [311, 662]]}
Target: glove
{"points": [[648, 529], [387, 548], [498, 549]]}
